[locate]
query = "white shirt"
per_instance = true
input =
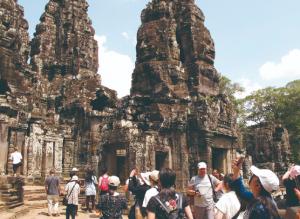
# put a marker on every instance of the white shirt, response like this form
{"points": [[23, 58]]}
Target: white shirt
{"points": [[228, 204], [203, 186], [90, 188], [148, 195], [72, 196], [16, 157]]}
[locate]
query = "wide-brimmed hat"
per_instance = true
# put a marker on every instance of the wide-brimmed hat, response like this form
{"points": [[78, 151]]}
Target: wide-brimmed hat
{"points": [[295, 171], [154, 175], [201, 165], [267, 178], [145, 178], [113, 181], [74, 178]]}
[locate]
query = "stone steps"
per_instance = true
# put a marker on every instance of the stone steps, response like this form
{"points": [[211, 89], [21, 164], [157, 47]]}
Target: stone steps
{"points": [[10, 192], [35, 196]]}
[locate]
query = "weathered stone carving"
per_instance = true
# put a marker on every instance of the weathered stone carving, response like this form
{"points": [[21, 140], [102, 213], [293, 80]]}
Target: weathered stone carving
{"points": [[61, 116], [268, 144]]}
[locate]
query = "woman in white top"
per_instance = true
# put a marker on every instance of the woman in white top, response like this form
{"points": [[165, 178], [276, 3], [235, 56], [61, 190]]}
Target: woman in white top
{"points": [[73, 190], [228, 205], [90, 189]]}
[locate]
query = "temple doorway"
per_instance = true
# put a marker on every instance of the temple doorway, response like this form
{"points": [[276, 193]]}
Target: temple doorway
{"points": [[161, 159], [219, 159], [114, 158]]}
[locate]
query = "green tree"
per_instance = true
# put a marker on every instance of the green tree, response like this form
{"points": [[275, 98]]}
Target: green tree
{"points": [[276, 105]]}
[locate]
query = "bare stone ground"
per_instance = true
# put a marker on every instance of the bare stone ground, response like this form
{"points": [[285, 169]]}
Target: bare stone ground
{"points": [[42, 214]]}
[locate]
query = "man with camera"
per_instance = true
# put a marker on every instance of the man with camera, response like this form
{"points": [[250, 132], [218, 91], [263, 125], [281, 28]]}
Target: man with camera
{"points": [[203, 187]]}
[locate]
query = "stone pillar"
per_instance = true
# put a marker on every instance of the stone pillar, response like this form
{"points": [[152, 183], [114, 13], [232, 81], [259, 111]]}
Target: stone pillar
{"points": [[29, 157], [3, 146], [9, 162], [208, 155]]}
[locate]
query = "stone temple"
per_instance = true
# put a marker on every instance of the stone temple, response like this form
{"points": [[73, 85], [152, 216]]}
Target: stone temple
{"points": [[55, 110]]}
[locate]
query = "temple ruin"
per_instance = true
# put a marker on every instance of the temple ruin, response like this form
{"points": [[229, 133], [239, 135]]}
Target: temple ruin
{"points": [[55, 110]]}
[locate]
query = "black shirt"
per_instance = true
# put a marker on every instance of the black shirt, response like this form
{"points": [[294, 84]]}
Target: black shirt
{"points": [[155, 207], [291, 198]]}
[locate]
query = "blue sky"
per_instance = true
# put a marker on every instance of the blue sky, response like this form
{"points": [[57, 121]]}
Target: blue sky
{"points": [[257, 42]]}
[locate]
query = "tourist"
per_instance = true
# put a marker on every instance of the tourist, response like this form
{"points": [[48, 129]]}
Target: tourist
{"points": [[260, 202], [228, 205], [103, 182], [112, 203], [16, 158], [90, 189], [138, 185], [168, 203], [216, 174], [52, 189], [203, 188], [74, 172], [291, 181], [73, 190], [153, 191]]}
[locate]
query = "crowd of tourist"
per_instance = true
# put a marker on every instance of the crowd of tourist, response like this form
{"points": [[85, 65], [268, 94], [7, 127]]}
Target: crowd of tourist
{"points": [[208, 196]]}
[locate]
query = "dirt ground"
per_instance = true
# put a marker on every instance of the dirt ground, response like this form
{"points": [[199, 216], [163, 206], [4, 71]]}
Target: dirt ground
{"points": [[43, 214]]}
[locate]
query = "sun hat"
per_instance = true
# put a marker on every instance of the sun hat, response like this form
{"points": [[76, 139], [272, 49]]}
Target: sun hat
{"points": [[145, 178], [74, 178], [267, 178], [74, 169], [202, 165], [113, 181], [295, 171], [154, 175]]}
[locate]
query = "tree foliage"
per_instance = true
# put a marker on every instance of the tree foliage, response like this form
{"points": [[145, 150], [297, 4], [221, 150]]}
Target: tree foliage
{"points": [[270, 105], [277, 105]]}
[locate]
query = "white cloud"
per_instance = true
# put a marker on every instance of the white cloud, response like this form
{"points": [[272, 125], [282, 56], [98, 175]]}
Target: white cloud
{"points": [[249, 87], [115, 68], [125, 35], [287, 68]]}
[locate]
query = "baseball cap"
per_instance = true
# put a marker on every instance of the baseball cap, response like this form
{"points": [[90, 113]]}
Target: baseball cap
{"points": [[145, 178], [154, 175], [267, 178], [295, 171], [202, 165], [114, 181], [74, 169], [74, 178]]}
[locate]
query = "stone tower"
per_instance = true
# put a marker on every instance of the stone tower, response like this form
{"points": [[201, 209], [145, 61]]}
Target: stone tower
{"points": [[175, 115], [15, 79]]}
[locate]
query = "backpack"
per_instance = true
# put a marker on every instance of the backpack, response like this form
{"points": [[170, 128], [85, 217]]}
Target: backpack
{"points": [[104, 184], [177, 213]]}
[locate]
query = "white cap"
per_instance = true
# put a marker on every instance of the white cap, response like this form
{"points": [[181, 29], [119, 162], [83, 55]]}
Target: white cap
{"points": [[74, 178], [145, 178], [295, 171], [202, 165], [74, 169], [267, 178], [154, 175], [114, 181]]}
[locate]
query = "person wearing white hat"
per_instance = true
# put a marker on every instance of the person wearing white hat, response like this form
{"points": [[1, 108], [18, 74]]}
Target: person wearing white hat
{"points": [[73, 190], [260, 202], [153, 191], [112, 204], [203, 188], [291, 181], [138, 185]]}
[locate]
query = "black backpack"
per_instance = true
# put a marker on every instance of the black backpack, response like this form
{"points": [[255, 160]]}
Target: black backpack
{"points": [[177, 213]]}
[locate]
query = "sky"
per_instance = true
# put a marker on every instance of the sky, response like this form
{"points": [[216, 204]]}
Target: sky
{"points": [[257, 42]]}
